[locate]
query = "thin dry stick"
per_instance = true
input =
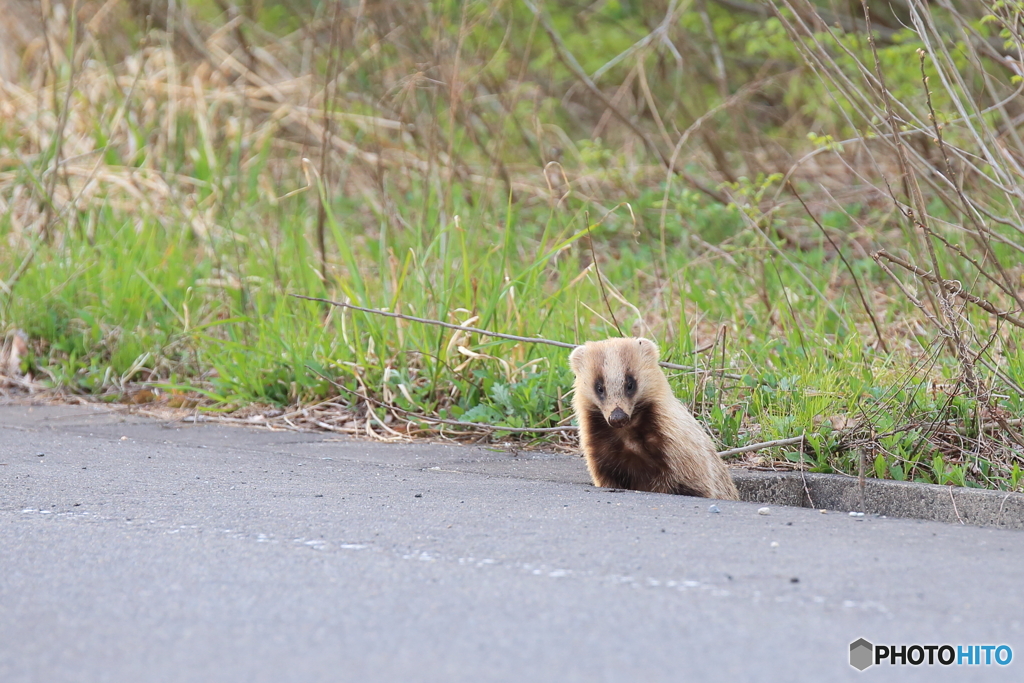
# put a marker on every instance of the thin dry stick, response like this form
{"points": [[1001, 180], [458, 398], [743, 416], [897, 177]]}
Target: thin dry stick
{"points": [[803, 276], [803, 474], [488, 333], [723, 332], [918, 213], [849, 268], [912, 299], [959, 346], [749, 448], [197, 419], [694, 127], [330, 78], [860, 476], [440, 420], [950, 489], [440, 323], [600, 280], [1007, 284], [1001, 375], [999, 514], [959, 251], [1004, 424], [950, 286], [567, 58], [62, 119], [657, 34]]}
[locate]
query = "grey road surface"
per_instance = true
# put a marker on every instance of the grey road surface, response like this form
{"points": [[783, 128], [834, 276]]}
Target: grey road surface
{"points": [[134, 550]]}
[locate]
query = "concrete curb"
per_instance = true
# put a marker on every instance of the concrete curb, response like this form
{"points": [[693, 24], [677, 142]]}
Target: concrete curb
{"points": [[951, 504]]}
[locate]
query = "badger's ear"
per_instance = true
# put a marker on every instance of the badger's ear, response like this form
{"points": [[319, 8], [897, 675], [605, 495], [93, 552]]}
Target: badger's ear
{"points": [[649, 348], [576, 359]]}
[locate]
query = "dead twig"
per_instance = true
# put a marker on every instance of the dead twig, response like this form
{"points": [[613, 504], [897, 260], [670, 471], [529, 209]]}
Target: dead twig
{"points": [[849, 268], [329, 105], [951, 286], [567, 58], [221, 419], [750, 448], [803, 474], [489, 333], [953, 500], [1004, 424], [600, 280]]}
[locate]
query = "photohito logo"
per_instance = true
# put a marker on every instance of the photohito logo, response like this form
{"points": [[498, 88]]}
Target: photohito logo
{"points": [[863, 654]]}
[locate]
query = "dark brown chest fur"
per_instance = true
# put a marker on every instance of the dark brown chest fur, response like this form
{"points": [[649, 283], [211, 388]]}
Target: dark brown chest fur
{"points": [[632, 457]]}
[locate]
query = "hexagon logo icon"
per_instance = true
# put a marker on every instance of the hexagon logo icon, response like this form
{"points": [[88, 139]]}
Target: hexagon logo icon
{"points": [[861, 654]]}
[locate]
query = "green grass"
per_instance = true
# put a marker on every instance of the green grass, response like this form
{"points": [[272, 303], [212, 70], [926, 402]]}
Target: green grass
{"points": [[177, 273], [137, 301]]}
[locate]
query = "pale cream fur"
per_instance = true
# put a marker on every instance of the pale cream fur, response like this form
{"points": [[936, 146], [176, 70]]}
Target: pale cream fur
{"points": [[690, 452]]}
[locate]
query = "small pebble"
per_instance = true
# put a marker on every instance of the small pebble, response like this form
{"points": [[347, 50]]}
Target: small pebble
{"points": [[418, 495], [713, 508], [40, 455], [764, 511], [775, 544]]}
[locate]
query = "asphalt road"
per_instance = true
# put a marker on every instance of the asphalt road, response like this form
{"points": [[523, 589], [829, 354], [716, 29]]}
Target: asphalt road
{"points": [[137, 551]]}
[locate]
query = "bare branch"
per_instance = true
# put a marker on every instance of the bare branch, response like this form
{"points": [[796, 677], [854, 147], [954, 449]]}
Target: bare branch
{"points": [[566, 57], [750, 448], [951, 286], [498, 335]]}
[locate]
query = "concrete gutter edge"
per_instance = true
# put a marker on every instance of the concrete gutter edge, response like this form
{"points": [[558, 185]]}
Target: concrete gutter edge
{"points": [[952, 504]]}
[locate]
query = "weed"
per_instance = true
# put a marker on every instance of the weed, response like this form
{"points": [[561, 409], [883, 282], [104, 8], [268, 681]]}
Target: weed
{"points": [[158, 208]]}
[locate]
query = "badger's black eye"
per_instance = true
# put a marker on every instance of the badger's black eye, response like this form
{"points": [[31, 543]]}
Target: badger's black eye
{"points": [[630, 385], [599, 389]]}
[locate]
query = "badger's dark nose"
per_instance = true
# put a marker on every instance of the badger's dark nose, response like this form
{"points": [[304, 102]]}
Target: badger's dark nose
{"points": [[618, 418]]}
